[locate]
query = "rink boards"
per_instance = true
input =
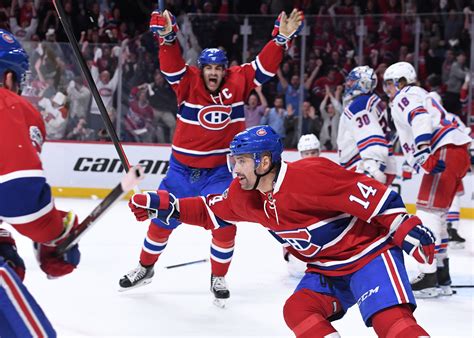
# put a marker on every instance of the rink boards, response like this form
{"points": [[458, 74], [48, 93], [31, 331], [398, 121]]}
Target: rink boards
{"points": [[90, 170]]}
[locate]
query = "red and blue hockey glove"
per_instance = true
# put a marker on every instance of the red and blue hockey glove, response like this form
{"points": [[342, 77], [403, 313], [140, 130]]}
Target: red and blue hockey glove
{"points": [[160, 204], [163, 25], [407, 171], [286, 28], [415, 239], [429, 163], [9, 253], [53, 264]]}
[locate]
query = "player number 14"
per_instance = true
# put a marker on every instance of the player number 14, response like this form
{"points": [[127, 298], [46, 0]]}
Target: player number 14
{"points": [[366, 191]]}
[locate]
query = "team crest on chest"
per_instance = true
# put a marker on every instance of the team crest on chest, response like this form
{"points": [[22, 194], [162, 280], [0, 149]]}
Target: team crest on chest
{"points": [[300, 240], [215, 117]]}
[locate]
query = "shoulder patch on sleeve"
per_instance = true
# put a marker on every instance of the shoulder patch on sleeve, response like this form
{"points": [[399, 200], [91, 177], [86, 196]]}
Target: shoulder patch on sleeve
{"points": [[359, 104]]}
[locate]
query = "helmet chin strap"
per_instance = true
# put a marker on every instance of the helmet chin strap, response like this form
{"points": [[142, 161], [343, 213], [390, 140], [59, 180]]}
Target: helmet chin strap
{"points": [[259, 176]]}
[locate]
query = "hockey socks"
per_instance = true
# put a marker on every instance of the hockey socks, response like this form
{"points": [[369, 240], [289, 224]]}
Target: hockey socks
{"points": [[306, 313], [397, 322], [222, 249], [154, 244]]}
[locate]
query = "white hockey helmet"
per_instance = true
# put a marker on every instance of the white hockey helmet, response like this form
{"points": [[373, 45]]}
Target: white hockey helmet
{"points": [[308, 142], [360, 80], [398, 71]]}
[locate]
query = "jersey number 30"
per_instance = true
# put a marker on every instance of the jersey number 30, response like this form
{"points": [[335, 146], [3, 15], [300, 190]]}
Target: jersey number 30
{"points": [[366, 191]]}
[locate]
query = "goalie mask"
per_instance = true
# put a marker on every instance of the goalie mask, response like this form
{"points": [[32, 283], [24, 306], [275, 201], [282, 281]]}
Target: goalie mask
{"points": [[361, 80], [13, 58], [256, 141]]}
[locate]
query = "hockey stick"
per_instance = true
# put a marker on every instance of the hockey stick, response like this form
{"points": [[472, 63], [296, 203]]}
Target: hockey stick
{"points": [[90, 81], [129, 181], [186, 263], [462, 286]]}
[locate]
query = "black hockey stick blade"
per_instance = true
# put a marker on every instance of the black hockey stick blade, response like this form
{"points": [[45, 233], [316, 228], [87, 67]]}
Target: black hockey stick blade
{"points": [[463, 286], [186, 263], [129, 181]]}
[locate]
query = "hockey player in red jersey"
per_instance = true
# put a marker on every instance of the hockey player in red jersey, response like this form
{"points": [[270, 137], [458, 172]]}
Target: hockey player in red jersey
{"points": [[349, 228], [211, 101], [25, 200]]}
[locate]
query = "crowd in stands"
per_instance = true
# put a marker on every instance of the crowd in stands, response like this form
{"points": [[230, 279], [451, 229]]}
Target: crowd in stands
{"points": [[122, 56]]}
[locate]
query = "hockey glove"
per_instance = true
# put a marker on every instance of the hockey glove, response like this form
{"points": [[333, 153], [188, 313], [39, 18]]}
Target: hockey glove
{"points": [[163, 25], [407, 171], [431, 165], [9, 253], [53, 264], [286, 28], [374, 169], [160, 204], [415, 239]]}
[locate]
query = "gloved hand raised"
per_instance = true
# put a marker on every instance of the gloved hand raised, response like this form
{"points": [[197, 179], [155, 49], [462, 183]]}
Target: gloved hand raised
{"points": [[286, 28], [53, 264], [164, 26], [9, 253], [160, 204]]}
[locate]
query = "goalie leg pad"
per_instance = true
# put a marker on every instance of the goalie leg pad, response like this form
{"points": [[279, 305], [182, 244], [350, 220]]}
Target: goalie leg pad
{"points": [[306, 313]]}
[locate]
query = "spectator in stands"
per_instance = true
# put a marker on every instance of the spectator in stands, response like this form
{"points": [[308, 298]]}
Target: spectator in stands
{"points": [[77, 130], [457, 74], [330, 113], [139, 119], [254, 110], [331, 81], [27, 25], [312, 121], [291, 91], [79, 98], [275, 117], [447, 64], [163, 102], [55, 116], [106, 87]]}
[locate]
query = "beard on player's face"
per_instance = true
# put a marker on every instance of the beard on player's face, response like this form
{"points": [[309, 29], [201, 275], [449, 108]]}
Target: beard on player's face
{"points": [[213, 76]]}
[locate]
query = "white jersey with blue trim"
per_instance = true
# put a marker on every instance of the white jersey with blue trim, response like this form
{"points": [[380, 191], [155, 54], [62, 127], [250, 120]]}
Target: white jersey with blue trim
{"points": [[420, 119], [363, 130]]}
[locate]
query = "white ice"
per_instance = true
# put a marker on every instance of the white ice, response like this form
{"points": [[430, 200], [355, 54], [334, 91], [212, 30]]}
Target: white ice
{"points": [[178, 302]]}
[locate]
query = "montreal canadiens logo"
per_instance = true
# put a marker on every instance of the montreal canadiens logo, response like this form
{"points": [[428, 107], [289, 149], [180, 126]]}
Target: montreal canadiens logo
{"points": [[7, 38], [261, 132], [215, 117]]}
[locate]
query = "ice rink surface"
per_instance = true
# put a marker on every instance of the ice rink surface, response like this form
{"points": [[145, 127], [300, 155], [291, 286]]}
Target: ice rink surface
{"points": [[178, 302]]}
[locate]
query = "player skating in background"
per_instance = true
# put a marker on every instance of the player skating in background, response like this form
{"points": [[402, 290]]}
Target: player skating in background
{"points": [[363, 138], [348, 227], [436, 147], [452, 217], [210, 112], [26, 202]]}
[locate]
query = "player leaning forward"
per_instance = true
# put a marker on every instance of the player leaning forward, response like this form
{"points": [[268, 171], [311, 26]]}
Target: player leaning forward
{"points": [[210, 112], [348, 227], [436, 147]]}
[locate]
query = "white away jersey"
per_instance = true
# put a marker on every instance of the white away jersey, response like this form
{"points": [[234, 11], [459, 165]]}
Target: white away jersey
{"points": [[363, 131], [421, 119]]}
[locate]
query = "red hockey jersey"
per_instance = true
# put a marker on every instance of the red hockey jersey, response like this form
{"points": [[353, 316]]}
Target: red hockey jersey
{"points": [[334, 219], [23, 131], [207, 123]]}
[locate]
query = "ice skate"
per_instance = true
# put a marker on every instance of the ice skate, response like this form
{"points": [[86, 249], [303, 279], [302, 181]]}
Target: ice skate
{"points": [[455, 240], [444, 279], [425, 285], [220, 291], [139, 276]]}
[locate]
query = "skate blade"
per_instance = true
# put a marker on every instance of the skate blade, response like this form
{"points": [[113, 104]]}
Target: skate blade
{"points": [[456, 245], [426, 293], [143, 283], [220, 303], [445, 291]]}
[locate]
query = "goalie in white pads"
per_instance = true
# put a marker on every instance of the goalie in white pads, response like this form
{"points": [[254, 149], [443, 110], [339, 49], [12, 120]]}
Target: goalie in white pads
{"points": [[437, 148], [364, 136]]}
